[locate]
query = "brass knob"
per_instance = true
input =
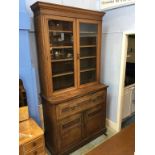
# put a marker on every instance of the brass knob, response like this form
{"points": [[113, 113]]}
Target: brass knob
{"points": [[34, 144], [35, 153]]}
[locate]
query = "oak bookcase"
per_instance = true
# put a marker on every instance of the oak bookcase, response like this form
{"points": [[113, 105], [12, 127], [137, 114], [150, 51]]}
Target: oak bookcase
{"points": [[74, 100]]}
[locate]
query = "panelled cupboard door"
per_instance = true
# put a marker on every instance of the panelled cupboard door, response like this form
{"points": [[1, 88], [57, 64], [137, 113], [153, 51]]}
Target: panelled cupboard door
{"points": [[88, 51], [95, 119], [70, 131], [62, 47]]}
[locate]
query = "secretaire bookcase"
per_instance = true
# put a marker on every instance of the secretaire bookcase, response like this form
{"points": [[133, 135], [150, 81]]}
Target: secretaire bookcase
{"points": [[74, 101]]}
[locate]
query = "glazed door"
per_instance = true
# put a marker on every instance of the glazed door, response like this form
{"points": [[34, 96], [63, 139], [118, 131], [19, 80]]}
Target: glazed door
{"points": [[88, 51], [62, 53]]}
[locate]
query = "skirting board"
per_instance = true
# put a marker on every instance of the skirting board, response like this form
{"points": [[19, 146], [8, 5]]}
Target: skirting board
{"points": [[111, 124]]}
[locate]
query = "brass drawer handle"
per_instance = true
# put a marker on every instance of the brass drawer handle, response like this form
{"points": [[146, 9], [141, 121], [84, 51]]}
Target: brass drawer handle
{"points": [[35, 153], [73, 108], [34, 144]]}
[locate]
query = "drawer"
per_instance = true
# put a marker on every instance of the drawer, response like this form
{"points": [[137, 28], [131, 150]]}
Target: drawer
{"points": [[82, 103], [38, 151], [33, 144]]}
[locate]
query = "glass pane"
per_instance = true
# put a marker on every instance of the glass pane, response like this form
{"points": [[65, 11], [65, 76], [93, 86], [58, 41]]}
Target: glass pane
{"points": [[60, 25], [63, 82], [87, 77], [62, 67], [89, 51], [88, 47], [61, 39], [59, 54], [62, 54], [87, 64]]}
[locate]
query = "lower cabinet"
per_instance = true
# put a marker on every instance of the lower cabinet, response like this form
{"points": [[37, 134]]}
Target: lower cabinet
{"points": [[73, 123]]}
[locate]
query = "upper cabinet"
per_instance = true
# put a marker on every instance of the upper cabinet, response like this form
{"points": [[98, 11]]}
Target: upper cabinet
{"points": [[69, 44]]}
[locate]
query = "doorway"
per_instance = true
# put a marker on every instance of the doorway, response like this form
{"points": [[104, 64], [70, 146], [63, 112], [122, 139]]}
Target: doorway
{"points": [[128, 102], [126, 99]]}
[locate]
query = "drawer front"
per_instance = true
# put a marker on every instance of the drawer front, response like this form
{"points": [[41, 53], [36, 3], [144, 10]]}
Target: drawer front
{"points": [[38, 151], [70, 131], [33, 144], [80, 104], [95, 119]]}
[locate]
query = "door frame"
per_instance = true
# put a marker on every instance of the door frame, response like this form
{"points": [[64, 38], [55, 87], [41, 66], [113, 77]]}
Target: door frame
{"points": [[122, 77]]}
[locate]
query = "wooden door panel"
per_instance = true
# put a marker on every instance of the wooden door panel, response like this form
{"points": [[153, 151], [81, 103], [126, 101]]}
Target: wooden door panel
{"points": [[95, 119], [70, 131]]}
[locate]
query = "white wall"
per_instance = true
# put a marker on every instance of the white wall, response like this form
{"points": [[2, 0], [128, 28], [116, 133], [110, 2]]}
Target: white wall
{"points": [[115, 22]]}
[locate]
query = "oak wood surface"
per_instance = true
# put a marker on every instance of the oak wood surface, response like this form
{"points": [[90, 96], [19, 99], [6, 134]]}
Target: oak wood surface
{"points": [[28, 131], [83, 112], [123, 143], [75, 115], [31, 138], [62, 97]]}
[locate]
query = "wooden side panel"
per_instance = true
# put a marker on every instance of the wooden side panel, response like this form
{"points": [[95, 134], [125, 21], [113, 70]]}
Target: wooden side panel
{"points": [[43, 55], [51, 127]]}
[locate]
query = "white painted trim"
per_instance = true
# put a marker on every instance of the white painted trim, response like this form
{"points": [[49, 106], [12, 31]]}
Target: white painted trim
{"points": [[122, 77], [111, 124]]}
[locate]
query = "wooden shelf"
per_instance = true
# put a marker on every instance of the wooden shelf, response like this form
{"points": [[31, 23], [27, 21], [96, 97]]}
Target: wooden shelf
{"points": [[86, 70], [60, 60], [88, 32], [60, 47], [62, 74], [84, 46], [88, 36], [63, 31], [87, 57]]}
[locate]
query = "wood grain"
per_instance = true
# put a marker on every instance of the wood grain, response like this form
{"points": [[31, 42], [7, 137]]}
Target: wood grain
{"points": [[75, 115], [123, 143], [31, 138]]}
